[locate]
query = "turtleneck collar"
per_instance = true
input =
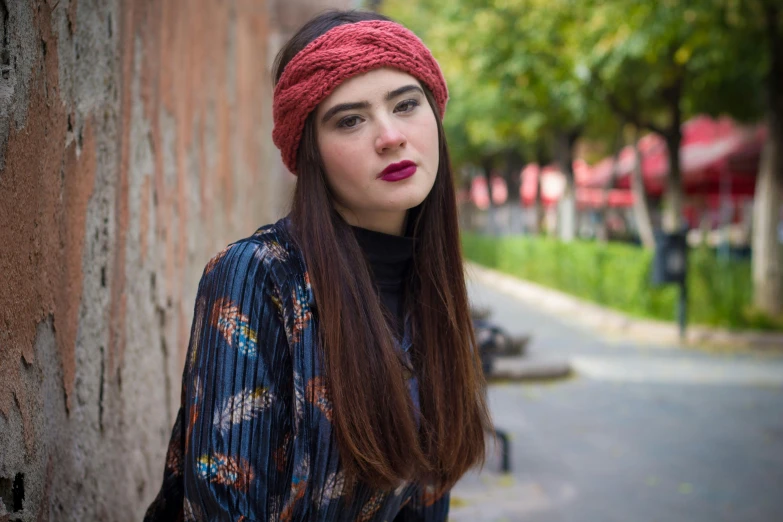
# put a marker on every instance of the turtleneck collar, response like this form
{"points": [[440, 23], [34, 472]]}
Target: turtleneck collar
{"points": [[389, 256]]}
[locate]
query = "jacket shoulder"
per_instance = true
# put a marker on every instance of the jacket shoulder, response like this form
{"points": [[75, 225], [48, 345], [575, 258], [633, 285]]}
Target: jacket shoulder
{"points": [[270, 251]]}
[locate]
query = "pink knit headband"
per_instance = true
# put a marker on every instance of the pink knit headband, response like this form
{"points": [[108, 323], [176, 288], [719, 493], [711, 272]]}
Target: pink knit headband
{"points": [[337, 55]]}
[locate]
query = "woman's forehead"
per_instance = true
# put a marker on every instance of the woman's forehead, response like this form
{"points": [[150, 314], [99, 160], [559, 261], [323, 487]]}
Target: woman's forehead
{"points": [[372, 86]]}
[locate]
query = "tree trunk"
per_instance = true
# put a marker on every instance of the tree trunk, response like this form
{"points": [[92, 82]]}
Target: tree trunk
{"points": [[512, 168], [767, 271], [602, 234], [542, 158], [566, 207], [488, 166], [674, 197], [538, 205], [512, 171], [672, 215], [641, 208]]}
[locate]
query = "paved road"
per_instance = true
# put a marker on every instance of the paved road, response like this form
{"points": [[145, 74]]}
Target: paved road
{"points": [[643, 433]]}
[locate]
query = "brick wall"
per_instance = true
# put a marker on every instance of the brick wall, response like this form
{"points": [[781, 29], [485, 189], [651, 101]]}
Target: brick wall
{"points": [[134, 144]]}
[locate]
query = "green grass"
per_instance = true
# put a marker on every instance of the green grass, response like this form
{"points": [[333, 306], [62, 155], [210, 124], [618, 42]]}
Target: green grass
{"points": [[618, 276]]}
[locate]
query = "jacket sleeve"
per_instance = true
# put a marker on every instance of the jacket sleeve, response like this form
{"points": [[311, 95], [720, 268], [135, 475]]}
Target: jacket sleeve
{"points": [[425, 506], [237, 388]]}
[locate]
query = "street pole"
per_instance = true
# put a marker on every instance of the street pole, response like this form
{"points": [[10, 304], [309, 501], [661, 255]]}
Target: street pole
{"points": [[670, 265], [682, 309]]}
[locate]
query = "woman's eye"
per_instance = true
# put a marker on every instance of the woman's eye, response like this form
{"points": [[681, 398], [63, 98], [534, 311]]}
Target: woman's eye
{"points": [[349, 122], [407, 106]]}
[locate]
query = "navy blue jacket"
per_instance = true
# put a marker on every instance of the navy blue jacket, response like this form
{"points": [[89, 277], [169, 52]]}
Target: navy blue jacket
{"points": [[253, 439]]}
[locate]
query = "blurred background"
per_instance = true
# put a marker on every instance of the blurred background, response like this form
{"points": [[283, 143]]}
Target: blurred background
{"points": [[620, 167], [620, 174]]}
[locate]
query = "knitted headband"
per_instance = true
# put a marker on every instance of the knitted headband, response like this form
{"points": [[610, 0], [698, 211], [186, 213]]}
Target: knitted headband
{"points": [[339, 54]]}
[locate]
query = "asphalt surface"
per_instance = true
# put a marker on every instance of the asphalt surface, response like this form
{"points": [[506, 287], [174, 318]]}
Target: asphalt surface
{"points": [[641, 433]]}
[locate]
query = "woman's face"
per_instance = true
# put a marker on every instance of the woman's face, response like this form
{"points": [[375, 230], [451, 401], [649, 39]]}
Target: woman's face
{"points": [[378, 139]]}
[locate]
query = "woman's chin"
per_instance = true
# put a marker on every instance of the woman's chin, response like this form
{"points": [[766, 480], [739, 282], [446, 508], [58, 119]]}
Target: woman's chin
{"points": [[406, 197]]}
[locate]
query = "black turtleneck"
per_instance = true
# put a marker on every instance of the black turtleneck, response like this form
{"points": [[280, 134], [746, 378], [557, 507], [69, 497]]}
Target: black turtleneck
{"points": [[389, 258]]}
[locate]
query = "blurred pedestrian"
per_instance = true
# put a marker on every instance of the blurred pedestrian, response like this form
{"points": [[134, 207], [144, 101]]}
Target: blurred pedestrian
{"points": [[332, 371]]}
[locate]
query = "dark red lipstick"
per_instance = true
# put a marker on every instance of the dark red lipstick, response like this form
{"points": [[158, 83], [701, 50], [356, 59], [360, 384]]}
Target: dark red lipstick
{"points": [[398, 171]]}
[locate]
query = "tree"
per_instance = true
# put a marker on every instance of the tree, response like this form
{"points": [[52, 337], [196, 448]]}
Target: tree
{"points": [[658, 63], [527, 74], [522, 52], [767, 257], [675, 59]]}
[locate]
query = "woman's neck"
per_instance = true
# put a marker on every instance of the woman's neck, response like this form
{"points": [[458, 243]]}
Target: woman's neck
{"points": [[389, 258]]}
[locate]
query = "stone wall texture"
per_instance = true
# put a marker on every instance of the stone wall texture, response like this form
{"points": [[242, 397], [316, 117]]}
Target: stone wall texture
{"points": [[135, 142]]}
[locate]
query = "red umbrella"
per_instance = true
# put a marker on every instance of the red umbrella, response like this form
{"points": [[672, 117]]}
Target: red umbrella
{"points": [[712, 151]]}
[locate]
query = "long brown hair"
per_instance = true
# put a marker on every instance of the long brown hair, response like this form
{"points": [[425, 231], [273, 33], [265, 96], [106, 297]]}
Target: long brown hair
{"points": [[382, 439]]}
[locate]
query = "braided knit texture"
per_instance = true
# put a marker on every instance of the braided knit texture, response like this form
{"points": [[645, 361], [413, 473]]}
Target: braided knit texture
{"points": [[338, 55]]}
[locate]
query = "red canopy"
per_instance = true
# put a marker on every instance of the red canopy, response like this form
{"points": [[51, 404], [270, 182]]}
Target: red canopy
{"points": [[712, 151], [597, 198], [553, 184], [715, 155]]}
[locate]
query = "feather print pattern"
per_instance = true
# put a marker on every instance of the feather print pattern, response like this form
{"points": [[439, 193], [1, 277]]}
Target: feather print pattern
{"points": [[274, 509], [243, 406], [301, 312], [371, 507], [234, 326], [216, 259], [280, 455], [298, 400], [299, 483], [193, 410], [254, 439], [198, 326], [272, 249], [332, 489], [318, 395], [192, 512], [228, 471], [278, 304]]}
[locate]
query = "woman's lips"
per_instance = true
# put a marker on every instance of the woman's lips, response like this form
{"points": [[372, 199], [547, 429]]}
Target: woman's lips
{"points": [[398, 171]]}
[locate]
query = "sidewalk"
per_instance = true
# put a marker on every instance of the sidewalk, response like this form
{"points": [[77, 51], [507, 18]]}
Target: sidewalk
{"points": [[527, 368], [606, 321], [625, 439]]}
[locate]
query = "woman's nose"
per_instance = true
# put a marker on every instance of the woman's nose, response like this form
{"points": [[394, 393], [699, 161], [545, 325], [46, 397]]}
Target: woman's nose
{"points": [[389, 138]]}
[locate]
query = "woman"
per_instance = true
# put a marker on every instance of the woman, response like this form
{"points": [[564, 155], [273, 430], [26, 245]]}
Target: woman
{"points": [[332, 372]]}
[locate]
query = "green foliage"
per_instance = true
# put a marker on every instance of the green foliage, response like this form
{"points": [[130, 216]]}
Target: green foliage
{"points": [[510, 69], [618, 276], [696, 55], [521, 71]]}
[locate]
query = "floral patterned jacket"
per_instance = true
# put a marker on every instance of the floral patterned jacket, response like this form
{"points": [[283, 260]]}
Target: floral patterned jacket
{"points": [[253, 438]]}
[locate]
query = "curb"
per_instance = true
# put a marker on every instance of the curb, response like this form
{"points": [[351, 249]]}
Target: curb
{"points": [[605, 320], [525, 369]]}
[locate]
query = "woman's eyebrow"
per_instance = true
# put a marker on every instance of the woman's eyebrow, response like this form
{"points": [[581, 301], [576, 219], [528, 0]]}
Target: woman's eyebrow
{"points": [[344, 107], [402, 90], [341, 107]]}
